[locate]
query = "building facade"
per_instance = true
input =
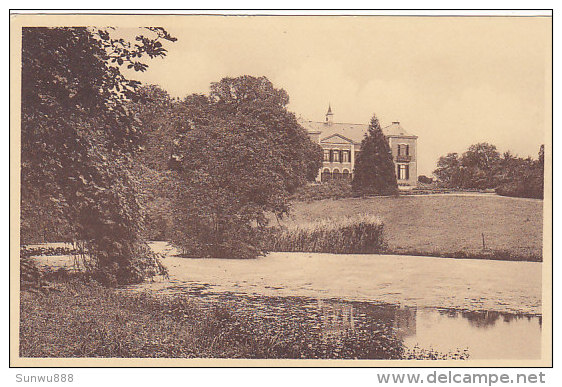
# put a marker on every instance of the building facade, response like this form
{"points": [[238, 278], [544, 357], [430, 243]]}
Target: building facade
{"points": [[341, 143]]}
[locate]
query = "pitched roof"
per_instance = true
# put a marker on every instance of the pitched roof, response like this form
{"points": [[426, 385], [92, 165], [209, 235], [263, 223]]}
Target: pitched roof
{"points": [[395, 129], [354, 132]]}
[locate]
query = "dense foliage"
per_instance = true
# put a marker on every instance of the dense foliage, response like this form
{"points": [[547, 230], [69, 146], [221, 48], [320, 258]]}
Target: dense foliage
{"points": [[78, 138], [482, 167], [216, 165], [374, 169], [156, 112], [522, 177], [240, 156]]}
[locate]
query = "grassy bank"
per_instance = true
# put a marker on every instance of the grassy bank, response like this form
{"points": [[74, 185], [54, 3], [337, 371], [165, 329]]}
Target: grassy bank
{"points": [[489, 227], [74, 319]]}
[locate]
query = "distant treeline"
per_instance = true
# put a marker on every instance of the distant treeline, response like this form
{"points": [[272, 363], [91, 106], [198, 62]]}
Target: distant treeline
{"points": [[482, 167]]}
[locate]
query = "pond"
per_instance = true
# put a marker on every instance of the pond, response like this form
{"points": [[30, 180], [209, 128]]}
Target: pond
{"points": [[491, 309]]}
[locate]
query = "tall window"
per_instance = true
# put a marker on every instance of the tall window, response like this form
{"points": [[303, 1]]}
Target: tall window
{"points": [[336, 156], [403, 172], [403, 150], [345, 156], [326, 155]]}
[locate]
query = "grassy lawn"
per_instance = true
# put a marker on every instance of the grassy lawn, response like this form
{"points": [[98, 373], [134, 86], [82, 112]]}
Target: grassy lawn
{"points": [[75, 319], [446, 225]]}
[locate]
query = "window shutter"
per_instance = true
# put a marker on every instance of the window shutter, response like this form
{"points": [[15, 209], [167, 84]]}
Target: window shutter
{"points": [[331, 156], [341, 156], [398, 171], [407, 150], [398, 150], [407, 171]]}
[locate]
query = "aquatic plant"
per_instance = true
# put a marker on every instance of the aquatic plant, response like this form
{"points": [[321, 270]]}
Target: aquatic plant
{"points": [[359, 234], [417, 353]]}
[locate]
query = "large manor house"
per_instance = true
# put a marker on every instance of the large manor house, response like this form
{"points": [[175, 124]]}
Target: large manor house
{"points": [[342, 141]]}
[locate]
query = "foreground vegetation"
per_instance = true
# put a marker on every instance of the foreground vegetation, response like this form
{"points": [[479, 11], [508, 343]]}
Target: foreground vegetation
{"points": [[489, 227], [76, 319]]}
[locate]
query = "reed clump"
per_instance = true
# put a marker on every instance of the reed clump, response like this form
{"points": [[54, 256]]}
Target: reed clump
{"points": [[358, 234]]}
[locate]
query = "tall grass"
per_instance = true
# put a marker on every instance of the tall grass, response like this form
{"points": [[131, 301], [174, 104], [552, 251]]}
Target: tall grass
{"points": [[359, 234]]}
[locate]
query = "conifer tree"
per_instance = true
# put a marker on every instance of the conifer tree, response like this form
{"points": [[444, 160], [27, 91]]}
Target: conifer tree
{"points": [[374, 169]]}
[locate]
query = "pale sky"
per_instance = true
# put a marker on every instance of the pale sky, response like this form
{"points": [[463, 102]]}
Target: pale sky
{"points": [[452, 81]]}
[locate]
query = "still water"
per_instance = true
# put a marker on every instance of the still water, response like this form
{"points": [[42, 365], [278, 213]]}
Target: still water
{"points": [[481, 334], [486, 335]]}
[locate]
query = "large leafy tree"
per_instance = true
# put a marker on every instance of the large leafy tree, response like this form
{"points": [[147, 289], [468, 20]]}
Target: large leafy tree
{"points": [[78, 139], [374, 168], [449, 170], [480, 163], [478, 167], [238, 155]]}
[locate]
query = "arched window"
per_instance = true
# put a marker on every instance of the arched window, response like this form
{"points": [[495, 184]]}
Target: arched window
{"points": [[326, 175], [336, 174], [345, 174]]}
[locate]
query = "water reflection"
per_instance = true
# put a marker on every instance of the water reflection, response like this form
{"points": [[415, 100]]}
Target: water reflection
{"points": [[376, 331], [484, 334], [335, 318]]}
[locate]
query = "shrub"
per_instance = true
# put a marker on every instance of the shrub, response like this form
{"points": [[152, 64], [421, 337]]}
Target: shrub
{"points": [[524, 188], [362, 234], [334, 189], [424, 179]]}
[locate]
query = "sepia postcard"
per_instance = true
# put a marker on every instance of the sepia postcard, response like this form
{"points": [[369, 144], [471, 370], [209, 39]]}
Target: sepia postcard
{"points": [[265, 189]]}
